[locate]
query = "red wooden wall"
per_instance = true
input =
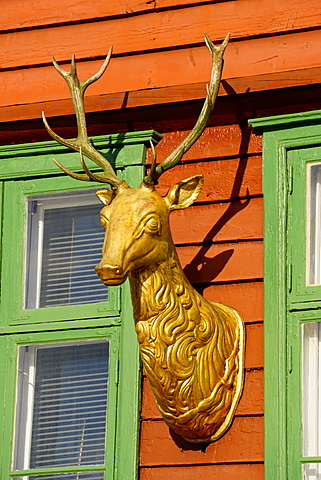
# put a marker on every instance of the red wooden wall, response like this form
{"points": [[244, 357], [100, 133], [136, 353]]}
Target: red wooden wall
{"points": [[158, 47], [156, 79], [219, 241]]}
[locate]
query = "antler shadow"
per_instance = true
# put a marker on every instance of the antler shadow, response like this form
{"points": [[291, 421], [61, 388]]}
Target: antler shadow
{"points": [[213, 266]]}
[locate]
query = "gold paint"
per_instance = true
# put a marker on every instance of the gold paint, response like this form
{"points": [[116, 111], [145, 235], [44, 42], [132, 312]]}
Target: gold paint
{"points": [[192, 349]]}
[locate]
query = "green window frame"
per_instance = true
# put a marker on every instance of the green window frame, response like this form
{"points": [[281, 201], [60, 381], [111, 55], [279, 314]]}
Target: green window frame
{"points": [[290, 144], [27, 170]]}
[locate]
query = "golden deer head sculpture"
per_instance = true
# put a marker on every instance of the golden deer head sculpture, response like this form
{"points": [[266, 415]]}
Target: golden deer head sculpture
{"points": [[192, 349]]}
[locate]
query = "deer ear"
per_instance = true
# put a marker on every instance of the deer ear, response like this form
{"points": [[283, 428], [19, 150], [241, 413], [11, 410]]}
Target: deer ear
{"points": [[184, 193], [105, 196]]}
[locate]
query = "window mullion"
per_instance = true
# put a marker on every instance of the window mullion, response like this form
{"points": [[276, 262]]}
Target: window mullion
{"points": [[310, 459], [52, 471]]}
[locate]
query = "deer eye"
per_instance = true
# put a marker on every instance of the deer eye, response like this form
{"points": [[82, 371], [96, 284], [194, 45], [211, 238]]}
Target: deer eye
{"points": [[152, 225], [104, 221]]}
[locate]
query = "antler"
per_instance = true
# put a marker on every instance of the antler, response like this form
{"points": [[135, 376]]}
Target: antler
{"points": [[81, 143], [212, 91]]}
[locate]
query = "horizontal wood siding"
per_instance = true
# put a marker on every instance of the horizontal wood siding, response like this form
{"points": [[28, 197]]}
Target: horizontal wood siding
{"points": [[37, 81], [281, 15], [156, 46], [159, 30], [242, 443], [205, 472], [234, 221], [219, 242]]}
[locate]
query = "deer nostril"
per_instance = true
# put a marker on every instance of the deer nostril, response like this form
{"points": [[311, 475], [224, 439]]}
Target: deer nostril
{"points": [[106, 270], [113, 269]]}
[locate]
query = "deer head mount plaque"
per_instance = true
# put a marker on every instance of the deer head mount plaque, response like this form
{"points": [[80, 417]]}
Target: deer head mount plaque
{"points": [[192, 349]]}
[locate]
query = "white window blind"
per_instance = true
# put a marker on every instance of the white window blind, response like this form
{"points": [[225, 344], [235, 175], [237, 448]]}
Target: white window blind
{"points": [[311, 378], [314, 225], [64, 241], [61, 407], [311, 471]]}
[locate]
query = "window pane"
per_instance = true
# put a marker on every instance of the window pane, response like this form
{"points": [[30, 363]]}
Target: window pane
{"points": [[65, 476], [61, 407], [312, 471], [63, 247], [312, 389], [314, 225]]}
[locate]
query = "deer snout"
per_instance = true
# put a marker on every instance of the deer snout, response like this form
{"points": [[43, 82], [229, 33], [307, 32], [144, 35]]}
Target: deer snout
{"points": [[110, 274]]}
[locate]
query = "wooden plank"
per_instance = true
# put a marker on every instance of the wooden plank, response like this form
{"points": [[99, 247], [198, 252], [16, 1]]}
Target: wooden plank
{"points": [[251, 401], [18, 14], [162, 30], [222, 263], [247, 298], [242, 443], [223, 179], [204, 472], [237, 220], [43, 84], [215, 142], [254, 346], [22, 109], [149, 408]]}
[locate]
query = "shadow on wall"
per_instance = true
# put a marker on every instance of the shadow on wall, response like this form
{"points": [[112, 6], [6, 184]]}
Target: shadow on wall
{"points": [[211, 267]]}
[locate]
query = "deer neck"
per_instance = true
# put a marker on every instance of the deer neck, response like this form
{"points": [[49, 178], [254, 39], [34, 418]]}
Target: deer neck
{"points": [[157, 286], [188, 346]]}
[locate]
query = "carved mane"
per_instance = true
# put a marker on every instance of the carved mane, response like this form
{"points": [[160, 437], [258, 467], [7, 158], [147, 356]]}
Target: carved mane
{"points": [[191, 351]]}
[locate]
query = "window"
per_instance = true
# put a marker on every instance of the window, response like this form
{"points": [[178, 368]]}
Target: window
{"points": [[69, 377], [291, 187], [56, 236], [64, 241], [61, 405]]}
